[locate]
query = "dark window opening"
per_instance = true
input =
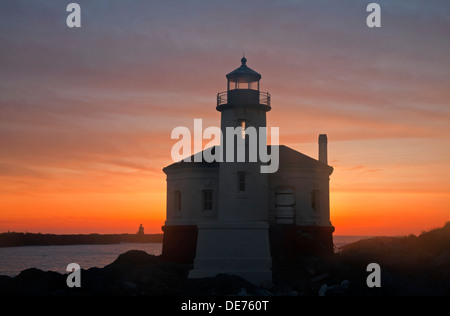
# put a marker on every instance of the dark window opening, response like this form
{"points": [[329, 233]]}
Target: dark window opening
{"points": [[241, 181], [315, 200], [207, 200], [177, 200]]}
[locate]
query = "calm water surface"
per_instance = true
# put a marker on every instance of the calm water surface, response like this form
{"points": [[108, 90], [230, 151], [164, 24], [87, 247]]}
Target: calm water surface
{"points": [[56, 258]]}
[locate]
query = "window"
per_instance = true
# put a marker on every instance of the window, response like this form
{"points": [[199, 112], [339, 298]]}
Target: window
{"points": [[177, 201], [207, 200], [244, 85], [242, 125], [232, 85], [241, 181], [285, 205], [315, 200]]}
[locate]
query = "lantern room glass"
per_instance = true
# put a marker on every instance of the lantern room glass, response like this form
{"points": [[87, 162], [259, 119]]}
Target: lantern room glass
{"points": [[242, 85]]}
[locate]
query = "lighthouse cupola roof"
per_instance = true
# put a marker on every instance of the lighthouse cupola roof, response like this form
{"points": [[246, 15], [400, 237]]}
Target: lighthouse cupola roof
{"points": [[243, 74]]}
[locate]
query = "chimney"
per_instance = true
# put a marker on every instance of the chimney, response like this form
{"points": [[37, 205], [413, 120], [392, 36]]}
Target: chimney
{"points": [[323, 151]]}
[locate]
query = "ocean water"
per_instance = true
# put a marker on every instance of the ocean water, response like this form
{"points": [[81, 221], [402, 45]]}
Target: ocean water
{"points": [[56, 258], [343, 240]]}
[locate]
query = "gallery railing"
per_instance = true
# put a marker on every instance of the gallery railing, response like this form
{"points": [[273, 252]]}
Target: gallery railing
{"points": [[263, 97]]}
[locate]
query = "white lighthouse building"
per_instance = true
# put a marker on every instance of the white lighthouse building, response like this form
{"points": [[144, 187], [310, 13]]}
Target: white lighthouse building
{"points": [[229, 217]]}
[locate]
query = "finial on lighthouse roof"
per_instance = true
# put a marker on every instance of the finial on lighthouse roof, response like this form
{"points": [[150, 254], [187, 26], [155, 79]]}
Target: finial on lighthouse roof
{"points": [[243, 60]]}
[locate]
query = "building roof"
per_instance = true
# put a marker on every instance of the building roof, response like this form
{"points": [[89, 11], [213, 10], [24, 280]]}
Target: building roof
{"points": [[192, 161], [289, 158]]}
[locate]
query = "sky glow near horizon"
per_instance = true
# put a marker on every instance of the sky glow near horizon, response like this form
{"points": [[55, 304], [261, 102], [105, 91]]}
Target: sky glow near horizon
{"points": [[87, 114]]}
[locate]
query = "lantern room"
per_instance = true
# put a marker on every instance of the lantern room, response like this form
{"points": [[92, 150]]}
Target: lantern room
{"points": [[243, 78], [243, 89]]}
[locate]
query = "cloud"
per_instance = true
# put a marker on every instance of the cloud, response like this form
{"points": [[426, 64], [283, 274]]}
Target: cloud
{"points": [[136, 166], [11, 170], [91, 110]]}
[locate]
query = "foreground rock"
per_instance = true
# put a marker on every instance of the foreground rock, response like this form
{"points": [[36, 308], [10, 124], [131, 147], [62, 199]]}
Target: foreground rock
{"points": [[133, 273]]}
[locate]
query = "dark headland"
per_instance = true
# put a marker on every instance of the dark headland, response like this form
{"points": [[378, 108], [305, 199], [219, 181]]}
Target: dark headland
{"points": [[12, 239], [412, 265]]}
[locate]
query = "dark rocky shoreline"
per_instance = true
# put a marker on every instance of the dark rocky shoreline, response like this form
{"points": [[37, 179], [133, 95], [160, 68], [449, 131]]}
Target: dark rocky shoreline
{"points": [[409, 266], [13, 239]]}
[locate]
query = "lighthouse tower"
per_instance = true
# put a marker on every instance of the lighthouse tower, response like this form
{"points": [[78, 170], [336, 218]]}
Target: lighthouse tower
{"points": [[243, 110], [238, 242]]}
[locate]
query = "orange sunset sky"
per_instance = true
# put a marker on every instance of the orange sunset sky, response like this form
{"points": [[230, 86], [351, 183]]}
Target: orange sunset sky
{"points": [[86, 114]]}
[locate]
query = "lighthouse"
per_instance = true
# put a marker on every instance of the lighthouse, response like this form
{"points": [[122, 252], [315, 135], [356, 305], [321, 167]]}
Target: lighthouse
{"points": [[238, 242], [229, 216]]}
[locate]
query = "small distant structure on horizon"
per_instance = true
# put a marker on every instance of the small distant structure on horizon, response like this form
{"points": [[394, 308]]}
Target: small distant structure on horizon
{"points": [[140, 230]]}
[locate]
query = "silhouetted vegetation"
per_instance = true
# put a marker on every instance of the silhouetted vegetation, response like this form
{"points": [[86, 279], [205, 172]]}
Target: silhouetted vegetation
{"points": [[428, 253]]}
